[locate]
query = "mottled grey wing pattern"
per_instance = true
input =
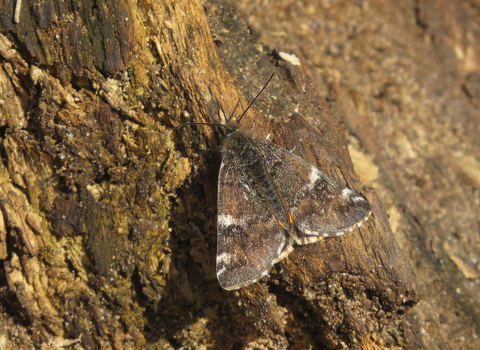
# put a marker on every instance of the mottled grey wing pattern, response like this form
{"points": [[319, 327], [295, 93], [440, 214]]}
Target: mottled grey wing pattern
{"points": [[246, 247], [320, 206]]}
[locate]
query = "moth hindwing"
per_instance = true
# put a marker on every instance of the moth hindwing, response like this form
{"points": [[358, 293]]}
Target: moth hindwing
{"points": [[270, 199]]}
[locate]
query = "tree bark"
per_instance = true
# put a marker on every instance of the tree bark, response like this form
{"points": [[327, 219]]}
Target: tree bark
{"points": [[108, 213]]}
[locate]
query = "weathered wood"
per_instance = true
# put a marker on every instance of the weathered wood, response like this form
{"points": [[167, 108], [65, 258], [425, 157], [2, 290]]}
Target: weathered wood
{"points": [[108, 219]]}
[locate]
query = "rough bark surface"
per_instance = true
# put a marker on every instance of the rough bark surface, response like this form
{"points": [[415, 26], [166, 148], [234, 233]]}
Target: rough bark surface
{"points": [[108, 213]]}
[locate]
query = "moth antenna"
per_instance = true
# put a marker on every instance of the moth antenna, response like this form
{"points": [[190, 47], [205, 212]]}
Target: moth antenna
{"points": [[198, 123], [234, 109], [255, 98]]}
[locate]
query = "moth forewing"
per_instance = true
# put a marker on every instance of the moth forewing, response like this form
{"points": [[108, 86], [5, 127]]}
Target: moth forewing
{"points": [[244, 252], [269, 198]]}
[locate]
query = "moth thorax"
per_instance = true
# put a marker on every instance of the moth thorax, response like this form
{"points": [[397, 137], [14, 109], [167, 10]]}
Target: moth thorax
{"points": [[246, 150], [237, 142]]}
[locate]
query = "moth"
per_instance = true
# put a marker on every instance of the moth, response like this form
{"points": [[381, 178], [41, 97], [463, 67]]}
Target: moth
{"points": [[270, 199]]}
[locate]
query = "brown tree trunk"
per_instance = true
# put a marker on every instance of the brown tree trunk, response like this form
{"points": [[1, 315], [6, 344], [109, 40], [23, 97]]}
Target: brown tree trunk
{"points": [[108, 213]]}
